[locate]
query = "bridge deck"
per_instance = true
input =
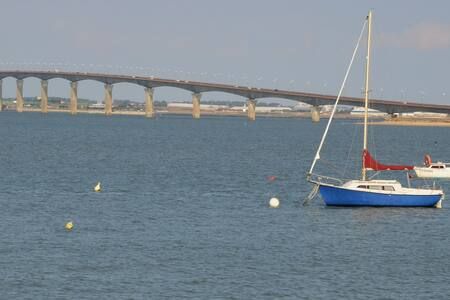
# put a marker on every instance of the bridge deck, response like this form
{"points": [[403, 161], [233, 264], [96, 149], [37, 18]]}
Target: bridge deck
{"points": [[388, 106]]}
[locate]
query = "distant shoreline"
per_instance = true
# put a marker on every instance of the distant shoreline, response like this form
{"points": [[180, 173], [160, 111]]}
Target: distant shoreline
{"points": [[441, 122], [189, 113], [375, 121]]}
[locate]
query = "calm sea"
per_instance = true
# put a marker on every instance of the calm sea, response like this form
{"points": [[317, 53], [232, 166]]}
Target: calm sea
{"points": [[184, 211]]}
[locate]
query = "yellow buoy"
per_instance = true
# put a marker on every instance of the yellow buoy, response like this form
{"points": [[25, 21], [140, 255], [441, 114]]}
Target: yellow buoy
{"points": [[69, 226], [98, 187], [274, 202]]}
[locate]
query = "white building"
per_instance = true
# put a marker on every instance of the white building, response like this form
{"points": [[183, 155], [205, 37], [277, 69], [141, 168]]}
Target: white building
{"points": [[302, 107], [421, 114], [269, 109], [97, 106], [188, 106], [359, 111], [262, 109]]}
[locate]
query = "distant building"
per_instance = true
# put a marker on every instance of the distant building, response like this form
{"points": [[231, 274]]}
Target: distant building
{"points": [[188, 106], [420, 114], [262, 109], [269, 109], [174, 106], [359, 111], [323, 108], [96, 106], [301, 107], [339, 108]]}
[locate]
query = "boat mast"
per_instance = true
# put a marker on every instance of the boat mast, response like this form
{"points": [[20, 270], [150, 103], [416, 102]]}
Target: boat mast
{"points": [[366, 90], [317, 157]]}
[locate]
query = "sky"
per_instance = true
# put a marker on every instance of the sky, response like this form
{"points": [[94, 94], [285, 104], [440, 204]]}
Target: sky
{"points": [[286, 44]]}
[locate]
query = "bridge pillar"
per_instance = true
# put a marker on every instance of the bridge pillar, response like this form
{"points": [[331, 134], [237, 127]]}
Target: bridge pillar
{"points": [[108, 99], [315, 113], [44, 96], [19, 95], [1, 95], [196, 105], [73, 97], [251, 109], [149, 112]]}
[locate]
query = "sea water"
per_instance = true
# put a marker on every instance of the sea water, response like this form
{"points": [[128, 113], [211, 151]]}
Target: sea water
{"points": [[184, 211]]}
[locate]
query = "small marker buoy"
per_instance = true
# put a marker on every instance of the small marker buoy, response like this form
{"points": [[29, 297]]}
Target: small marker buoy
{"points": [[98, 187], [274, 202], [69, 226], [271, 178]]}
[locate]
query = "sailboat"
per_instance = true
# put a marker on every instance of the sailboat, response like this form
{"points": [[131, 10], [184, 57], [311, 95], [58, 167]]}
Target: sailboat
{"points": [[364, 191]]}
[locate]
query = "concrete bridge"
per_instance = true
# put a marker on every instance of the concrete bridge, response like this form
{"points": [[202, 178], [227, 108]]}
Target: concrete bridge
{"points": [[252, 94]]}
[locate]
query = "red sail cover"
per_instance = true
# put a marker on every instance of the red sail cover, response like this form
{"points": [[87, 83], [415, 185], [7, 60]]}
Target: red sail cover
{"points": [[369, 163]]}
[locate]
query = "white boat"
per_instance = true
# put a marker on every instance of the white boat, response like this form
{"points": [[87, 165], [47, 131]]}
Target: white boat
{"points": [[433, 169], [366, 191]]}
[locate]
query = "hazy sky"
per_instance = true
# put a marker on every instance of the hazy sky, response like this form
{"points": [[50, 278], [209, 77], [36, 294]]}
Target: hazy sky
{"points": [[298, 45]]}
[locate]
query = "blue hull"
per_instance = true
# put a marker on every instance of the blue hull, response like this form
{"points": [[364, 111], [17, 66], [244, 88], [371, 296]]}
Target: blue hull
{"points": [[337, 196]]}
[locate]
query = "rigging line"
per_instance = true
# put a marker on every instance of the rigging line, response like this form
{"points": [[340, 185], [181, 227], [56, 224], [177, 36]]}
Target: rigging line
{"points": [[331, 164], [416, 141], [373, 175], [317, 157], [349, 152], [373, 130]]}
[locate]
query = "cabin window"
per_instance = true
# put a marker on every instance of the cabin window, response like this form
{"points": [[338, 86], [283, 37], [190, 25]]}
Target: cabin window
{"points": [[437, 167], [376, 187]]}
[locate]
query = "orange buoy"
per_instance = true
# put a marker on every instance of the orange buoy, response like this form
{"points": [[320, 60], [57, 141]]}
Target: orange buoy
{"points": [[271, 178]]}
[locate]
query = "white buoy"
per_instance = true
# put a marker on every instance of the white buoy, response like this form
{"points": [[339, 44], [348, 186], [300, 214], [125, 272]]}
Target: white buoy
{"points": [[98, 187], [274, 202]]}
